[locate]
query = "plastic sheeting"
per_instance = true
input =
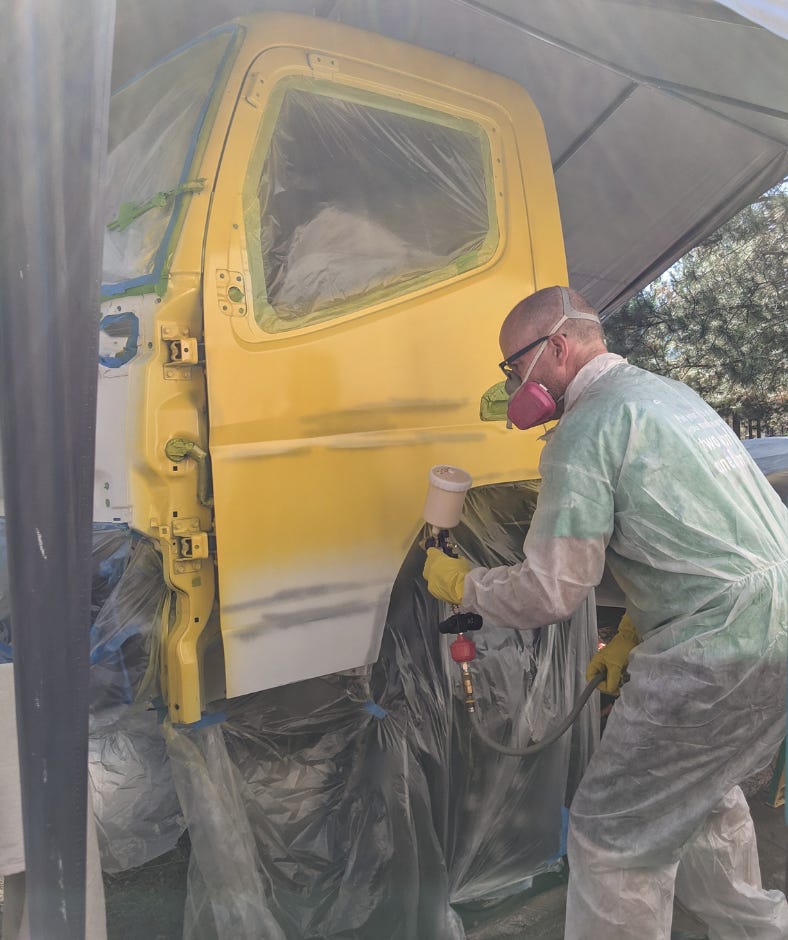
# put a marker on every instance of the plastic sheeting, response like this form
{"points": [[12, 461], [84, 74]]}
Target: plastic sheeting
{"points": [[222, 842], [154, 122], [138, 816], [352, 805], [357, 198], [127, 598], [373, 809]]}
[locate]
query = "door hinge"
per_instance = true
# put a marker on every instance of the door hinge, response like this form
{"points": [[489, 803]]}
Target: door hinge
{"points": [[190, 545], [183, 351]]}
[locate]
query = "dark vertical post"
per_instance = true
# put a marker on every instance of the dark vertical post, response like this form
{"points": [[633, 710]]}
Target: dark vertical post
{"points": [[55, 59]]}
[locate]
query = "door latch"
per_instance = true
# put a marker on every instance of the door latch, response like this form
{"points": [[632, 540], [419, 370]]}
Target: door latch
{"points": [[231, 293]]}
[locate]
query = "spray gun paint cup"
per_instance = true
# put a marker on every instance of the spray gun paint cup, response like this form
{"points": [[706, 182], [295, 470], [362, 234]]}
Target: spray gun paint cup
{"points": [[445, 496]]}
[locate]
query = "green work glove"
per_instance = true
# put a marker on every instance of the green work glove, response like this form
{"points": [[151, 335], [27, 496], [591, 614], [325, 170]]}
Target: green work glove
{"points": [[445, 576], [613, 657]]}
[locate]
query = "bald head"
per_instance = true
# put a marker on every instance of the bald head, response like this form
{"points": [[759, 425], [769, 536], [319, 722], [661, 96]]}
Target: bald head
{"points": [[570, 334], [538, 314]]}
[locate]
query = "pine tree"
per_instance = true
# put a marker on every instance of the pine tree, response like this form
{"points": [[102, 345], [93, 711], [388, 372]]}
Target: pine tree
{"points": [[718, 319]]}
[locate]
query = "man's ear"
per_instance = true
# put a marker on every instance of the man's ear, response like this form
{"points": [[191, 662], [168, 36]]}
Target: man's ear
{"points": [[559, 348]]}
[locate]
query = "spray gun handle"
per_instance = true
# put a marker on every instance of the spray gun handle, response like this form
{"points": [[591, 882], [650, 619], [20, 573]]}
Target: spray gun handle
{"points": [[441, 539], [461, 623]]}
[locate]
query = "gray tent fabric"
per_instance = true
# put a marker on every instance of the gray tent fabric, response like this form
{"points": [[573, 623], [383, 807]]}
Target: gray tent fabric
{"points": [[661, 122], [772, 16], [663, 118]]}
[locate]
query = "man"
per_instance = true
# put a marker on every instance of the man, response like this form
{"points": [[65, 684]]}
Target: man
{"points": [[640, 473]]}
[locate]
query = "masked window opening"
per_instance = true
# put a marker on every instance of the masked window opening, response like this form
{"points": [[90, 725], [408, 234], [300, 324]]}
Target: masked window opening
{"points": [[361, 200], [155, 123]]}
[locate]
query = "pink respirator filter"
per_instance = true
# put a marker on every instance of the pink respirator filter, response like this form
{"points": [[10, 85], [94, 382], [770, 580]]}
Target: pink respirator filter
{"points": [[530, 405]]}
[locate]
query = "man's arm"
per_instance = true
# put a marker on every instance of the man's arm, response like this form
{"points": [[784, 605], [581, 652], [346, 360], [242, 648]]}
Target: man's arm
{"points": [[564, 551]]}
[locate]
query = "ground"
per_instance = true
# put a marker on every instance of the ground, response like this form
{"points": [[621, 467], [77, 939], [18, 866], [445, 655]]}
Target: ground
{"points": [[147, 904]]}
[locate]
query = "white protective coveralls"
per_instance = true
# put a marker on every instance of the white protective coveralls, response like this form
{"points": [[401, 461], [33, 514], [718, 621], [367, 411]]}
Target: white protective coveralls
{"points": [[641, 473]]}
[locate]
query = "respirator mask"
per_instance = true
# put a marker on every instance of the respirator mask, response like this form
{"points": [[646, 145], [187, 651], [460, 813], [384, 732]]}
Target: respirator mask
{"points": [[530, 403]]}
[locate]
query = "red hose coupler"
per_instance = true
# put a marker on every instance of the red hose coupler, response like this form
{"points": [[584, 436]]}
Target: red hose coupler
{"points": [[462, 649]]}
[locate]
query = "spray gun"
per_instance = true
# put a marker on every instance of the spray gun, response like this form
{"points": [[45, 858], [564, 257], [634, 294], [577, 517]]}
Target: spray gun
{"points": [[442, 512]]}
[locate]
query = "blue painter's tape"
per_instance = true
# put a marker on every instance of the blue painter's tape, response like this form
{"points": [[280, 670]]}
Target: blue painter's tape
{"points": [[208, 719], [157, 705], [144, 280], [122, 324], [564, 833], [374, 709]]}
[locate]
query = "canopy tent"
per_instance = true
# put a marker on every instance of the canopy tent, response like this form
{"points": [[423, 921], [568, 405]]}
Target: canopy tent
{"points": [[664, 117], [773, 16]]}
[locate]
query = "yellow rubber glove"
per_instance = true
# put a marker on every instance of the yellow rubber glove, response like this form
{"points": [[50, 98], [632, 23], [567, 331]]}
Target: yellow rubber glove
{"points": [[445, 576], [613, 657]]}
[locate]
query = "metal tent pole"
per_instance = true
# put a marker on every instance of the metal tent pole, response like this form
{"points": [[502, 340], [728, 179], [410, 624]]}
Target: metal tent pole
{"points": [[54, 71]]}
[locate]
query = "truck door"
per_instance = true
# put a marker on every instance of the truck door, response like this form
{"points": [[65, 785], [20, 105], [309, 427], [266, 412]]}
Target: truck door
{"points": [[368, 231]]}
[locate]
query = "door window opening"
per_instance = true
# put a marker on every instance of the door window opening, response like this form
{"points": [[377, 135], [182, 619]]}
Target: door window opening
{"points": [[361, 198]]}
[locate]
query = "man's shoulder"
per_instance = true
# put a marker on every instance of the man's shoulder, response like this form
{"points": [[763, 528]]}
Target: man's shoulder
{"points": [[629, 386], [610, 393], [625, 398]]}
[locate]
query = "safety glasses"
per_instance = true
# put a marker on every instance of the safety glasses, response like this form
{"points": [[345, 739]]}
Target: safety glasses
{"points": [[512, 378]]}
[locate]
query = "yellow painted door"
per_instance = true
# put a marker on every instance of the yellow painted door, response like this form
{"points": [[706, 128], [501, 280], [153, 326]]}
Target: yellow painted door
{"points": [[377, 212]]}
